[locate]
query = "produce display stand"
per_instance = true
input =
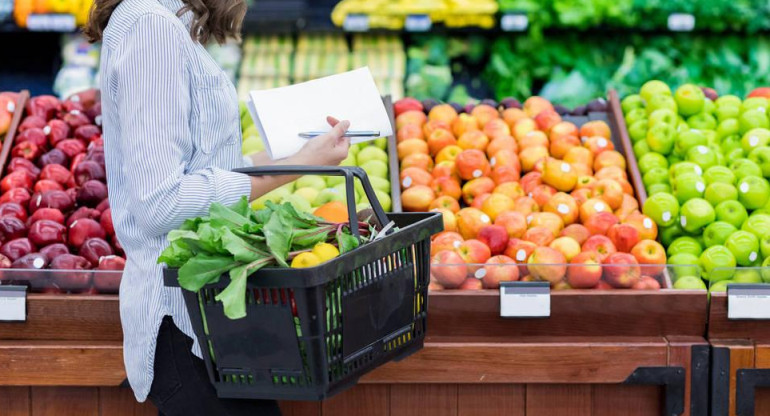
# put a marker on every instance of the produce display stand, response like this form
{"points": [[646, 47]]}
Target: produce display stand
{"points": [[740, 383], [598, 353]]}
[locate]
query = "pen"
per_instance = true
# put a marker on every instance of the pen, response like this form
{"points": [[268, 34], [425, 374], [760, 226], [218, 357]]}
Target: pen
{"points": [[349, 133]]}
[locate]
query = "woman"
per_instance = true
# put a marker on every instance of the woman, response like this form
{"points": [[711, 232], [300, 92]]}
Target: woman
{"points": [[172, 136]]}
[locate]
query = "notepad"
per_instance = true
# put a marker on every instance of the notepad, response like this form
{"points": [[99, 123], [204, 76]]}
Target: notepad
{"points": [[280, 114]]}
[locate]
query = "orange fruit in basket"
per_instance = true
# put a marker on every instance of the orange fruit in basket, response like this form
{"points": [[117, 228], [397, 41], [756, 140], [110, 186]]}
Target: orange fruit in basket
{"points": [[334, 211]]}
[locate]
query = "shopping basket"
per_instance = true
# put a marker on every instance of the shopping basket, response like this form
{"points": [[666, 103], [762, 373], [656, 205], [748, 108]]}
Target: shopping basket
{"points": [[311, 333]]}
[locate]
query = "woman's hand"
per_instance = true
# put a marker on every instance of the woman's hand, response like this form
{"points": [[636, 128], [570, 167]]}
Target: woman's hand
{"points": [[328, 149]]}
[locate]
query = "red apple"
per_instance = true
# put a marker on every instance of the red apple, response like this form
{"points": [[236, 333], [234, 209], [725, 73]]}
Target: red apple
{"points": [[577, 231], [471, 283], [646, 283], [495, 237], [621, 270], [445, 240], [498, 269], [547, 264], [474, 253], [623, 236], [449, 269], [584, 271], [601, 245], [600, 223], [651, 255]]}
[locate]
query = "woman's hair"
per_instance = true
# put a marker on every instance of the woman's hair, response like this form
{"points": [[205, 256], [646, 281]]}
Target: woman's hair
{"points": [[217, 19]]}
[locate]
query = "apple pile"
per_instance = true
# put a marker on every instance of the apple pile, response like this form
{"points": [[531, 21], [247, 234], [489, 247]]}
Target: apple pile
{"points": [[705, 161], [54, 211], [525, 195]]}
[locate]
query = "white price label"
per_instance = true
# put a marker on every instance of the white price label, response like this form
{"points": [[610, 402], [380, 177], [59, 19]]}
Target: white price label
{"points": [[13, 303], [51, 22], [418, 23], [525, 300], [356, 23], [748, 301], [681, 22], [514, 22]]}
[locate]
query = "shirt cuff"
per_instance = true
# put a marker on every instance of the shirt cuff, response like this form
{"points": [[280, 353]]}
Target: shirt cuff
{"points": [[231, 186]]}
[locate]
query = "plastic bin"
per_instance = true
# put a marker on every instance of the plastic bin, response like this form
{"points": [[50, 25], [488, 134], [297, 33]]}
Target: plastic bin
{"points": [[311, 333]]}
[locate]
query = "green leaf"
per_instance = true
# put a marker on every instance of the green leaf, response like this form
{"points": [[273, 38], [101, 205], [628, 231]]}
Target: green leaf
{"points": [[191, 224], [222, 216], [240, 249], [204, 269], [210, 238], [278, 236], [346, 242], [309, 238], [233, 298], [175, 255], [242, 207], [262, 216]]}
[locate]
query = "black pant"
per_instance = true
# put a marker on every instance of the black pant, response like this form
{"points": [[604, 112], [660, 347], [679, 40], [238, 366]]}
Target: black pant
{"points": [[181, 386]]}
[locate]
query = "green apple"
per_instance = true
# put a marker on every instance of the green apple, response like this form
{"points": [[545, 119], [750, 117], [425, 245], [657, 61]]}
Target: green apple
{"points": [[276, 196], [689, 283], [299, 202], [376, 168], [362, 206], [380, 183], [718, 192], [731, 142], [655, 175], [764, 245], [680, 168], [727, 112], [717, 233], [689, 99], [641, 148], [684, 245], [688, 186], [755, 138], [311, 181], [652, 88], [332, 181], [761, 156], [631, 102], [661, 102], [349, 161], [754, 103], [727, 128], [702, 121], [667, 235], [684, 264], [757, 224], [745, 167], [753, 192], [733, 155], [660, 138], [638, 131], [703, 156], [744, 246], [381, 142], [251, 131], [662, 208], [720, 286], [709, 106], [657, 188], [673, 159], [728, 100], [307, 193], [371, 153], [753, 119], [329, 195], [718, 263], [720, 174], [251, 145], [688, 139], [637, 114], [652, 160], [384, 199], [696, 214], [747, 276], [765, 273], [341, 190], [731, 212], [662, 116]]}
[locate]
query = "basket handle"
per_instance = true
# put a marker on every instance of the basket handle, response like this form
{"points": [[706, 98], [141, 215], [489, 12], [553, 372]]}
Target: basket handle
{"points": [[349, 172]]}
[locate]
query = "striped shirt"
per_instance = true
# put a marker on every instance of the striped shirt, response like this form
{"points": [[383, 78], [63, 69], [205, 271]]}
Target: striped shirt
{"points": [[171, 136]]}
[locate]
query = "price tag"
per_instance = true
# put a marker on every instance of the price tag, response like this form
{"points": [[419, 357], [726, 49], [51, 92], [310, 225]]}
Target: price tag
{"points": [[681, 22], [51, 22], [13, 303], [356, 23], [525, 300], [514, 22], [748, 301], [418, 23]]}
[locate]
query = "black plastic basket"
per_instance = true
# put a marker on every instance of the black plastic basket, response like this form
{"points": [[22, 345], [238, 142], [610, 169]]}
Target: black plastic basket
{"points": [[311, 333]]}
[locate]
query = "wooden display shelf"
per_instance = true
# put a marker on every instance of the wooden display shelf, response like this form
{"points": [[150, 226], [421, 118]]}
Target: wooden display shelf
{"points": [[740, 381]]}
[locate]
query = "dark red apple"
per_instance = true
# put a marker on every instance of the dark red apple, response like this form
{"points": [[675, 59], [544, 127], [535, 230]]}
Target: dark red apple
{"points": [[83, 212], [54, 250], [18, 195], [47, 185], [93, 249], [53, 156], [76, 161], [117, 246], [112, 263], [57, 131], [83, 229], [71, 105], [91, 193], [57, 173], [45, 232], [76, 119], [103, 205], [30, 261], [51, 199], [106, 222], [44, 106], [33, 135], [71, 280], [26, 150], [12, 228], [87, 132], [71, 147], [51, 214], [12, 209], [17, 248], [32, 122], [96, 154], [88, 170], [19, 163], [18, 179]]}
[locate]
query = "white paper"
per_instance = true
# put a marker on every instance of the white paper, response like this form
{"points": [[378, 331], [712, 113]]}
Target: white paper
{"points": [[280, 114]]}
